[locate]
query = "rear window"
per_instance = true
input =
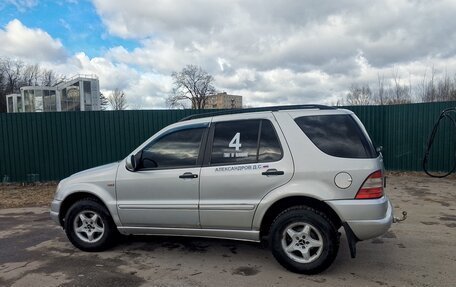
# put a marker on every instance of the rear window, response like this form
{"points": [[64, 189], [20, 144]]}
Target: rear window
{"points": [[337, 135]]}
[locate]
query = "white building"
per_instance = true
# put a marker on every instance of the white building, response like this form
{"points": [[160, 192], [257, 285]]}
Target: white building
{"points": [[79, 93]]}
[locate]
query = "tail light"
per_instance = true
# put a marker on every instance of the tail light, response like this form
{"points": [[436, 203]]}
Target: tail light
{"points": [[372, 186]]}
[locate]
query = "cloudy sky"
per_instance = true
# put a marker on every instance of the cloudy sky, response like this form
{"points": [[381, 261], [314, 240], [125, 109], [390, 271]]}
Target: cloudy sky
{"points": [[270, 52]]}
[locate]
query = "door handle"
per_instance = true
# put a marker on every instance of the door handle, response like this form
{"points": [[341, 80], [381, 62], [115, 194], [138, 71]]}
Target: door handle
{"points": [[188, 175], [273, 171]]}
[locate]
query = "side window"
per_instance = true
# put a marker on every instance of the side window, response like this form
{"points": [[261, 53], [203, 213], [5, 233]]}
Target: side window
{"points": [[235, 142], [177, 149], [243, 142], [337, 135], [270, 149]]}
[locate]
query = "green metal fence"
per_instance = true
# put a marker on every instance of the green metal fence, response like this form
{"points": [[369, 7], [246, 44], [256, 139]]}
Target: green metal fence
{"points": [[403, 131], [51, 146]]}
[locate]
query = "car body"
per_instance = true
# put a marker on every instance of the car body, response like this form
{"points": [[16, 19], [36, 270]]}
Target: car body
{"points": [[231, 176]]}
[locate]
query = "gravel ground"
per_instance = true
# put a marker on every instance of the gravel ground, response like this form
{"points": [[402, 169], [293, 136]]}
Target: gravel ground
{"points": [[418, 252], [27, 195]]}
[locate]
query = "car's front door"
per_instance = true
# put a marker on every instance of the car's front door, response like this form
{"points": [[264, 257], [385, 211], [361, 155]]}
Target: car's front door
{"points": [[164, 190]]}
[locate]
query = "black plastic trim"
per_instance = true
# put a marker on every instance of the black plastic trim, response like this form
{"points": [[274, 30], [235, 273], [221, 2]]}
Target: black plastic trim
{"points": [[351, 239]]}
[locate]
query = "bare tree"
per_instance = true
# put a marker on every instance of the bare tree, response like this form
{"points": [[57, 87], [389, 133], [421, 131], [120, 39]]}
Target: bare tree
{"points": [[389, 92], [381, 89], [452, 92], [30, 75], [438, 89], [193, 85], [47, 78], [444, 87], [12, 72], [15, 74], [117, 100], [104, 102], [359, 95], [2, 92], [428, 89], [401, 93]]}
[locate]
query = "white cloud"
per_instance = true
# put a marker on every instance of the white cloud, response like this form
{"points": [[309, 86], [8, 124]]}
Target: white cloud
{"points": [[143, 90], [143, 18], [271, 52], [148, 91], [111, 75], [286, 51], [20, 41]]}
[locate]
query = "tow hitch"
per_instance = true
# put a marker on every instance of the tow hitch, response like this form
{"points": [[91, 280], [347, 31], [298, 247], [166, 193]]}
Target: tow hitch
{"points": [[352, 239], [397, 219]]}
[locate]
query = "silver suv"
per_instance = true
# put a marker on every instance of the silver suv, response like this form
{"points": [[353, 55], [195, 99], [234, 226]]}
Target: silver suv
{"points": [[292, 176]]}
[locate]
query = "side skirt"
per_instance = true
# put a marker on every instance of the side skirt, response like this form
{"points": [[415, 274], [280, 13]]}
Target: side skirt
{"points": [[243, 235]]}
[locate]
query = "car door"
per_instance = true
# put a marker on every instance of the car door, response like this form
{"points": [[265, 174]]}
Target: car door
{"points": [[245, 159], [164, 190]]}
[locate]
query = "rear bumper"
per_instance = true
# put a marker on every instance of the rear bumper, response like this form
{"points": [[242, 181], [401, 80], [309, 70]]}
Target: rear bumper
{"points": [[367, 218]]}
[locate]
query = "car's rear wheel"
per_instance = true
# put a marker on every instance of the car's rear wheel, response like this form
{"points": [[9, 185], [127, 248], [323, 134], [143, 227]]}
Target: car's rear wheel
{"points": [[89, 226], [304, 240]]}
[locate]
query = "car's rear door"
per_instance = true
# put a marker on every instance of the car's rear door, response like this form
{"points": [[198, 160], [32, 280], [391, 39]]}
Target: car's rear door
{"points": [[245, 159]]}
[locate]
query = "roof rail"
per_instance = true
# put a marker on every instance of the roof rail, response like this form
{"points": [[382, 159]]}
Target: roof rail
{"points": [[252, 110]]}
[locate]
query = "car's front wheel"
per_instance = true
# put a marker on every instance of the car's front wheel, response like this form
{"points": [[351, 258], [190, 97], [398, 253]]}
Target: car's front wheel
{"points": [[89, 226], [304, 240]]}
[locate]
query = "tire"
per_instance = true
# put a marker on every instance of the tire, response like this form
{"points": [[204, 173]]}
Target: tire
{"points": [[89, 226], [304, 240]]}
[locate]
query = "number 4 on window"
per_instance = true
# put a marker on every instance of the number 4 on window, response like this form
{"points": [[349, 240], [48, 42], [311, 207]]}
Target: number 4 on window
{"points": [[236, 141]]}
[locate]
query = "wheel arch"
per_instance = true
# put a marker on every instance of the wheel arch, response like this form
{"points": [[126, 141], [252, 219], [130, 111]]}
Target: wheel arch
{"points": [[74, 197], [277, 207]]}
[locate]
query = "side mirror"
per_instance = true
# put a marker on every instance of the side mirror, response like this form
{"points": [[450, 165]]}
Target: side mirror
{"points": [[379, 149], [131, 163]]}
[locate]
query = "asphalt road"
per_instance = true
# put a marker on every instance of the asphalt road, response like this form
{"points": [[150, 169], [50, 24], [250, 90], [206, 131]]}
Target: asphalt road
{"points": [[418, 252]]}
